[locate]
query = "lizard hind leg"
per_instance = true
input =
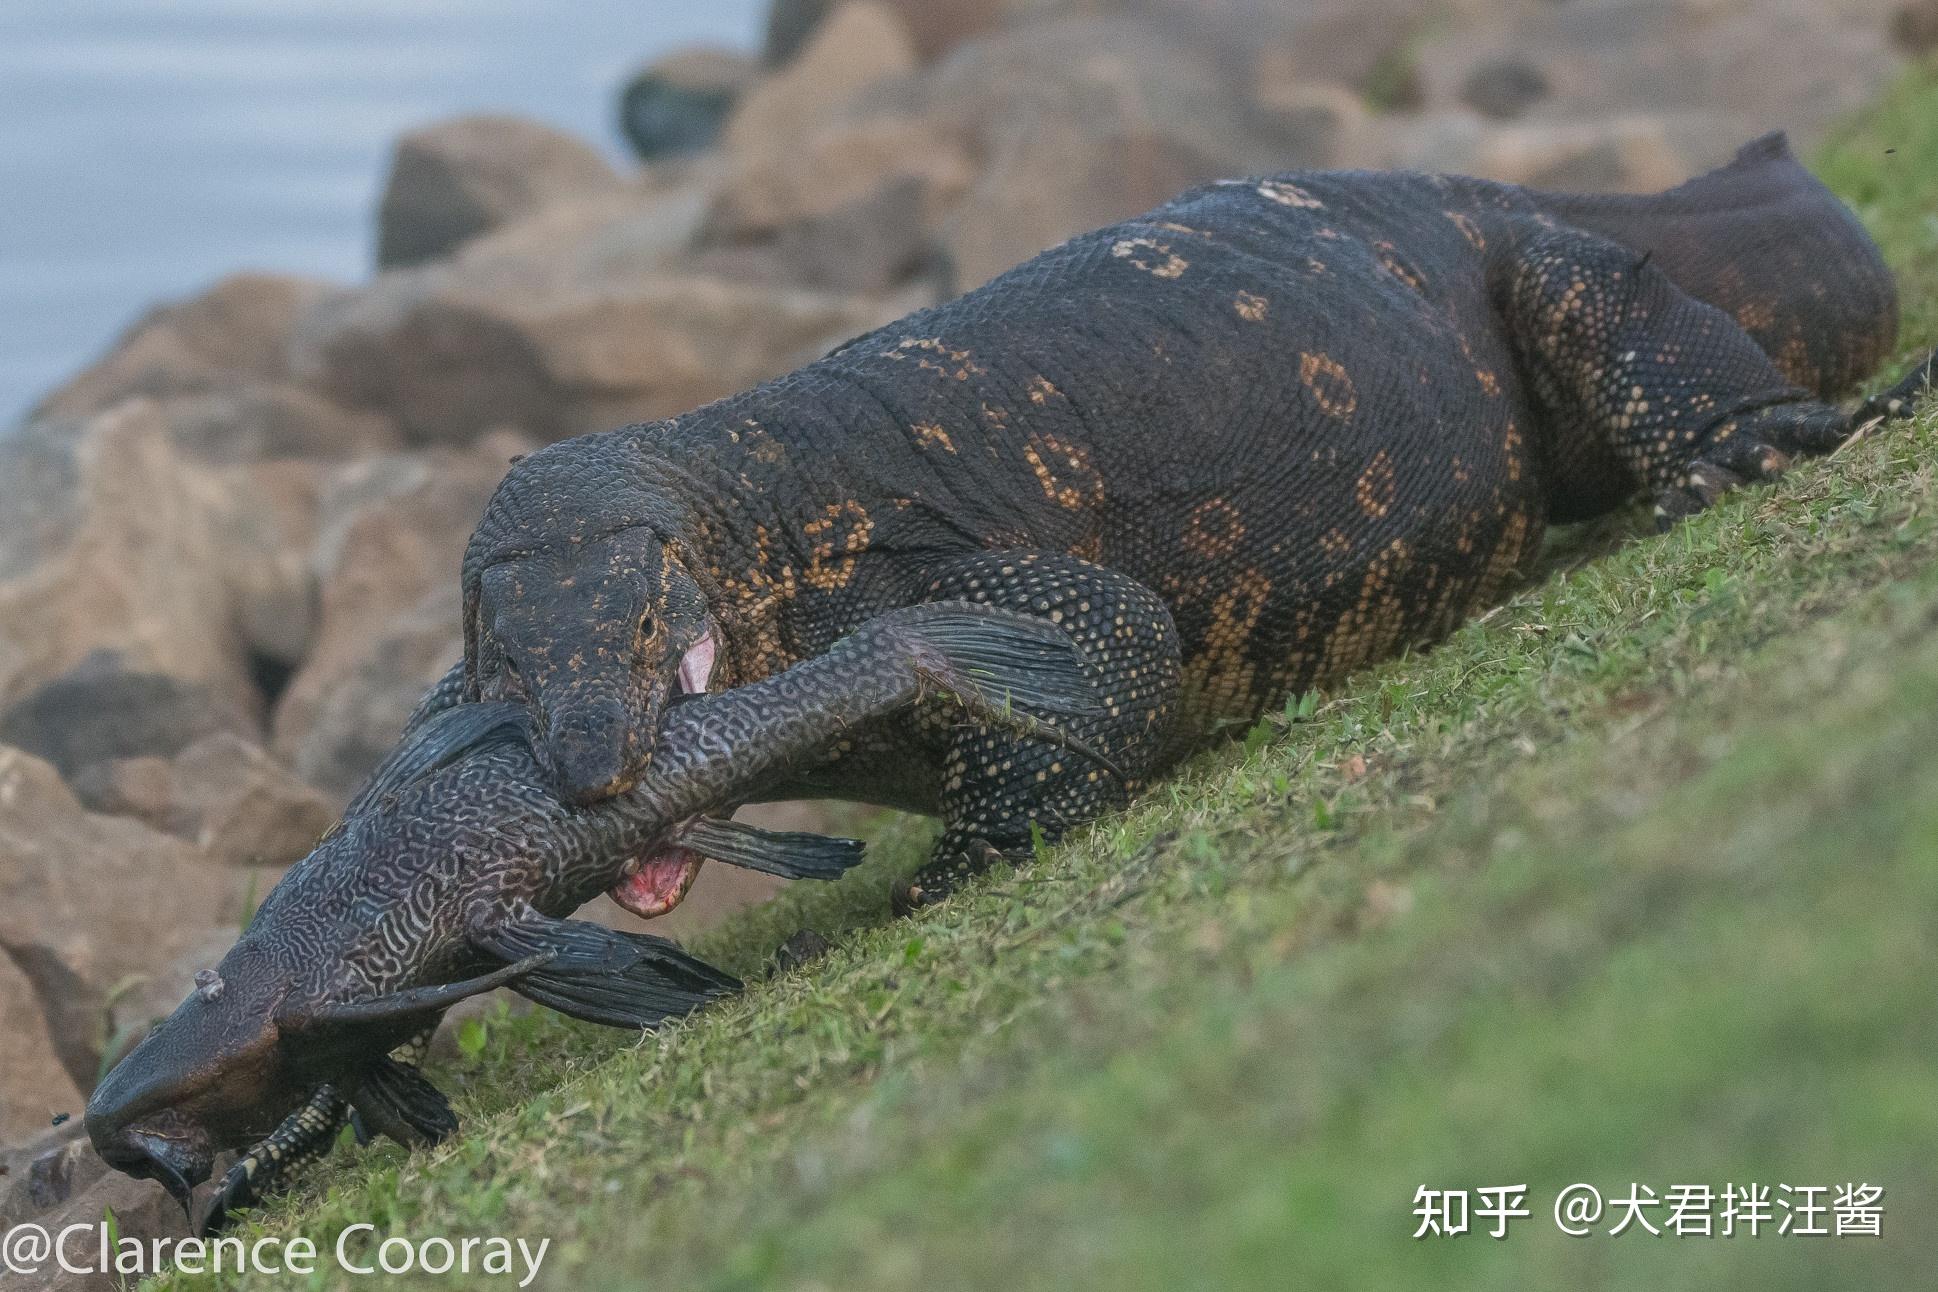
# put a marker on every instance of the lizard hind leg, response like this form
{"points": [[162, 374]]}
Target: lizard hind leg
{"points": [[1001, 791], [1643, 386]]}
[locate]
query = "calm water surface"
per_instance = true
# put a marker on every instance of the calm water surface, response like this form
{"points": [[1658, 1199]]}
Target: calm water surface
{"points": [[149, 146]]}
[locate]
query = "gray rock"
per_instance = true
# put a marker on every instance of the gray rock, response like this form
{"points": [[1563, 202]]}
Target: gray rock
{"points": [[679, 104], [104, 709], [109, 546], [453, 181], [1504, 88], [233, 334], [860, 44]]}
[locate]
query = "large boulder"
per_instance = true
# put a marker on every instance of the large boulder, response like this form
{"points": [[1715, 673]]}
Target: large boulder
{"points": [[235, 331], [859, 44], [934, 26], [678, 104], [1107, 118], [1701, 70], [102, 709], [839, 165], [392, 536], [855, 209], [92, 906], [572, 322], [457, 179], [108, 546], [216, 365], [224, 794], [44, 1171], [34, 1085], [1629, 154]]}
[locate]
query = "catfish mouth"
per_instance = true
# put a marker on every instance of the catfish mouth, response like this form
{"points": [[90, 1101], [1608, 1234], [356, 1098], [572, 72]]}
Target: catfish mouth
{"points": [[178, 1162], [657, 881]]}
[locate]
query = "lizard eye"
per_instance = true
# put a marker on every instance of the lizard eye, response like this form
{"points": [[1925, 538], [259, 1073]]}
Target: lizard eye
{"points": [[648, 628]]}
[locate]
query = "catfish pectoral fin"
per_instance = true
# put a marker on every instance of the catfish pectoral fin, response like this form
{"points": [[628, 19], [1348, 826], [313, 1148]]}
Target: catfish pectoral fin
{"points": [[397, 1100], [791, 854], [309, 1018], [603, 975]]}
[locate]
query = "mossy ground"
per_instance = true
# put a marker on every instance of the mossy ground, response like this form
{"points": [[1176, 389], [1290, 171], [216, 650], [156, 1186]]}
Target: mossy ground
{"points": [[1636, 879]]}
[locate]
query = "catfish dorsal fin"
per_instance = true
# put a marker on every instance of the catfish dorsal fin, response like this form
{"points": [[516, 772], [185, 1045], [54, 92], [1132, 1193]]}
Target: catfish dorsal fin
{"points": [[442, 739]]}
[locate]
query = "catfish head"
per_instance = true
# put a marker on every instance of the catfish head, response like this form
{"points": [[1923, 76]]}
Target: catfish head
{"points": [[214, 1075], [259, 1035], [580, 604]]}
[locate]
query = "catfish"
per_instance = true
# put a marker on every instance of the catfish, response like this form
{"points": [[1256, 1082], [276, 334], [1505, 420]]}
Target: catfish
{"points": [[454, 869]]}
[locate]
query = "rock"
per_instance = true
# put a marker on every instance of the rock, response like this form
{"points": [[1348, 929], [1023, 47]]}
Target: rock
{"points": [[679, 104], [93, 905], [1365, 45], [789, 23], [59, 1173], [934, 26], [859, 44], [1097, 140], [1624, 154], [802, 948], [264, 518], [452, 181], [854, 210], [143, 788], [108, 546], [393, 532], [839, 166], [223, 794], [1504, 88], [235, 331], [259, 421], [1312, 124], [17, 1167], [459, 354], [33, 1083], [102, 709], [1915, 27], [1702, 71], [869, 245], [143, 1212], [1103, 118]]}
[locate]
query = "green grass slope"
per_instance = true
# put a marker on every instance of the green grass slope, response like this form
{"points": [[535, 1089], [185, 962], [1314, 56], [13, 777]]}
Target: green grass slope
{"points": [[1635, 880]]}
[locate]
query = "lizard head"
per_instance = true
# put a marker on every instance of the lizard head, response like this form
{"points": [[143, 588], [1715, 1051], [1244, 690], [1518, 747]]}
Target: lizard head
{"points": [[578, 605]]}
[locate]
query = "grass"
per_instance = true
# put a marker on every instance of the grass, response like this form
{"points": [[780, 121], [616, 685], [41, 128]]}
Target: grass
{"points": [[1634, 880]]}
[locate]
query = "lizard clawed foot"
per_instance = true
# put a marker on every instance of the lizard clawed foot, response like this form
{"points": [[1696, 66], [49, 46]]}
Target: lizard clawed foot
{"points": [[1756, 447], [941, 877]]}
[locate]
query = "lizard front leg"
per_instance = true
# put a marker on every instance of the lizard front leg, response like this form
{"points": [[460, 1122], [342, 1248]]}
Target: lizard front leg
{"points": [[1001, 790]]}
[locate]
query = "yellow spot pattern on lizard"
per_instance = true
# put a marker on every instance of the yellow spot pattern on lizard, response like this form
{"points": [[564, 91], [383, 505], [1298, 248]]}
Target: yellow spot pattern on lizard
{"points": [[839, 535], [1251, 307], [1065, 472], [1213, 529], [1153, 257], [1376, 489], [931, 436], [931, 355], [1286, 194], [1329, 384]]}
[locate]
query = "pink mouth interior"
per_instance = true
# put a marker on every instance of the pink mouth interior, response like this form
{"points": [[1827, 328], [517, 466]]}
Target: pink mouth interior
{"points": [[661, 879], [660, 883]]}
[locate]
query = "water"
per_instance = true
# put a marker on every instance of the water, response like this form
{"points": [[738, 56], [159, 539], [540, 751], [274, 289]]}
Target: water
{"points": [[149, 146]]}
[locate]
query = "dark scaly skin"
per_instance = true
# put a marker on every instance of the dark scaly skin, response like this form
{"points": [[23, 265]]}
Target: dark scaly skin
{"points": [[452, 874], [1261, 436]]}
